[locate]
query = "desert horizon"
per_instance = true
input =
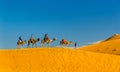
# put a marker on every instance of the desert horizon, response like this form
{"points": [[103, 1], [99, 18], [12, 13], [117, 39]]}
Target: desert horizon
{"points": [[64, 59]]}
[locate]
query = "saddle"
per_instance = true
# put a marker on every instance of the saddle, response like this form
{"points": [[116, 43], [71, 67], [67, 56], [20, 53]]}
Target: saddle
{"points": [[46, 39], [64, 41], [19, 41], [31, 40]]}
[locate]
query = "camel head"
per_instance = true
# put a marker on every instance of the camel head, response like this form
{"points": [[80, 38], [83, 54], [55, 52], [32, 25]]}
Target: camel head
{"points": [[54, 39], [38, 39]]}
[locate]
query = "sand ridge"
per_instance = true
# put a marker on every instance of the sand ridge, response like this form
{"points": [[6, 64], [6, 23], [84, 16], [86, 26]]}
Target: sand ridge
{"points": [[110, 46]]}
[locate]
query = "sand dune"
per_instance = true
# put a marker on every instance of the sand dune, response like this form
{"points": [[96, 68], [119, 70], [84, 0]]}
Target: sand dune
{"points": [[114, 37], [100, 57], [110, 46], [57, 60]]}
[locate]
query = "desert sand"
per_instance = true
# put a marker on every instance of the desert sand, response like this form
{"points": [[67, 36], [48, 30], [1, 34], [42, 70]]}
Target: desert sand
{"points": [[100, 57], [110, 45], [57, 60]]}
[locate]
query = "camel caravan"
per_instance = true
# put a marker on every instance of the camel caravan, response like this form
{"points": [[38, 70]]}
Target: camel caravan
{"points": [[46, 40]]}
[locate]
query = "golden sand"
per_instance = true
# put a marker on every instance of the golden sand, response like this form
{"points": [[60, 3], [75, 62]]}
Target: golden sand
{"points": [[110, 46], [100, 57], [57, 60]]}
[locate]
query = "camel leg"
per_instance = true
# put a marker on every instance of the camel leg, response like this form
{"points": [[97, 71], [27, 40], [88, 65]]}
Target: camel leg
{"points": [[32, 45], [67, 45], [61, 45], [28, 45], [42, 44], [35, 45], [17, 46], [47, 45], [22, 46]]}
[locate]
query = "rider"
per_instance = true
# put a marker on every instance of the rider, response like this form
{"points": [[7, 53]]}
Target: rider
{"points": [[64, 41], [46, 37], [31, 38], [20, 39]]}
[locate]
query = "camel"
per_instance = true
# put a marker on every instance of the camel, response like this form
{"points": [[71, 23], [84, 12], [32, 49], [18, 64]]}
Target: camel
{"points": [[33, 42], [66, 43], [20, 43], [47, 41]]}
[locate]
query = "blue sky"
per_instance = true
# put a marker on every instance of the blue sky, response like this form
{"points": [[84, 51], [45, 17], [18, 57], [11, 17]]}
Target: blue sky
{"points": [[83, 21]]}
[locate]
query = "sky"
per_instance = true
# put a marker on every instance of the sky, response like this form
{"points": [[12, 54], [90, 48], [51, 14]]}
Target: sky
{"points": [[81, 21]]}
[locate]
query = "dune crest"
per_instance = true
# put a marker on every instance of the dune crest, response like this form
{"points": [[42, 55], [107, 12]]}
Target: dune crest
{"points": [[114, 37], [110, 45]]}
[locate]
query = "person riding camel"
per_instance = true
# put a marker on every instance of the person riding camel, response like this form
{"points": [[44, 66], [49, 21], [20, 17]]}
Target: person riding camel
{"points": [[46, 37], [64, 41], [31, 38], [20, 39]]}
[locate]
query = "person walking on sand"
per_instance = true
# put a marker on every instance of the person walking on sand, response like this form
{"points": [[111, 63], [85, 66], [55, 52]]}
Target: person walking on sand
{"points": [[75, 44]]}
